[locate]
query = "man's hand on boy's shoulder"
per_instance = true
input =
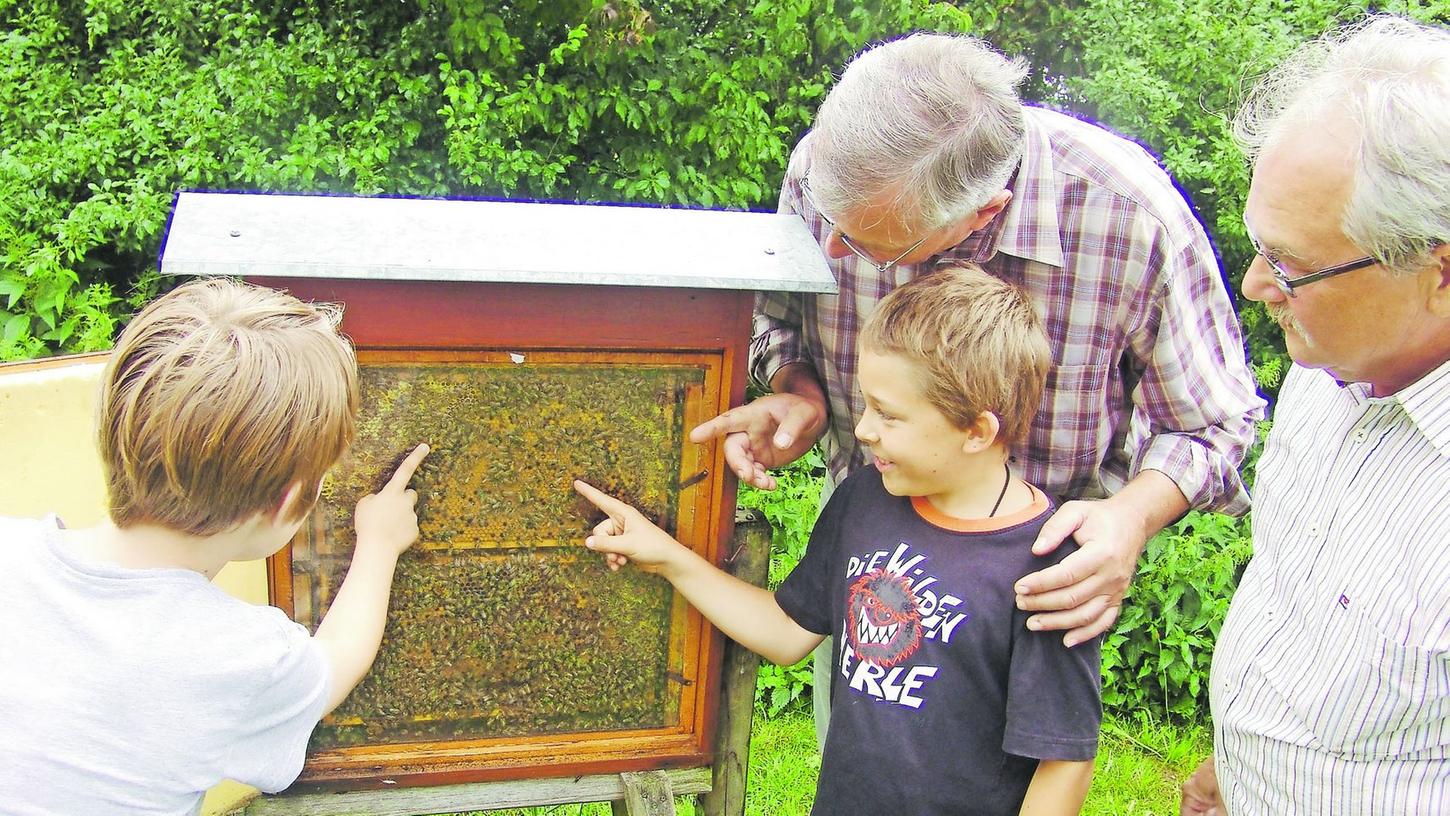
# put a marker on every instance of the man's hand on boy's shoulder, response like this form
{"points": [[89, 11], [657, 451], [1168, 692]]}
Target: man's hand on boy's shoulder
{"points": [[626, 535], [1084, 591], [388, 518]]}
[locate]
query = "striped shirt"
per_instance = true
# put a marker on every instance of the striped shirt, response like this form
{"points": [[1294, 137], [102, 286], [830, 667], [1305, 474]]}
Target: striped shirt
{"points": [[1331, 680], [1148, 361]]}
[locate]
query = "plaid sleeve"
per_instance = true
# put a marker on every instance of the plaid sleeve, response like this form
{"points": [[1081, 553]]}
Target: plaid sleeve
{"points": [[1196, 399], [776, 327]]}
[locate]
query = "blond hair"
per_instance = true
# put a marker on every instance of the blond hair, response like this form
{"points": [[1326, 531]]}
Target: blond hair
{"points": [[217, 398], [979, 341]]}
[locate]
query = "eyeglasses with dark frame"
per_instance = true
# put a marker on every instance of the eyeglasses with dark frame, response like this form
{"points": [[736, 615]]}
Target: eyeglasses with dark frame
{"points": [[881, 268], [1287, 283]]}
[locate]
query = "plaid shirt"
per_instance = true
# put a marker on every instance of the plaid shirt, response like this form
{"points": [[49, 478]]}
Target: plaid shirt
{"points": [[1148, 361]]}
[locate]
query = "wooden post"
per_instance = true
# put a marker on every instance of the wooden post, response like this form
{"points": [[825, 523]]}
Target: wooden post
{"points": [[749, 561], [648, 793]]}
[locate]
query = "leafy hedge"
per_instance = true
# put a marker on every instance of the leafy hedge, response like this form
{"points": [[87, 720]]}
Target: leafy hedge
{"points": [[1157, 656], [108, 107]]}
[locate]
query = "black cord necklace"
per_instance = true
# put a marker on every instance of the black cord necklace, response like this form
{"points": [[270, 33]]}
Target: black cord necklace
{"points": [[1005, 483]]}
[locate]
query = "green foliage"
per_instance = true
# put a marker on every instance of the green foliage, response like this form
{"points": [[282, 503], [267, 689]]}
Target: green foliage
{"points": [[1171, 75], [110, 107], [791, 510], [1157, 657]]}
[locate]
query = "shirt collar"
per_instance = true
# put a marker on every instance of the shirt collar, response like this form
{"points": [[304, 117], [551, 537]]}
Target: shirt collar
{"points": [[1427, 401], [1028, 227]]}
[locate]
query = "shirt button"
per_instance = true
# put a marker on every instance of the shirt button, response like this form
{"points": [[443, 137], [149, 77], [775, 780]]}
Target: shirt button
{"points": [[1314, 531], [1360, 435]]}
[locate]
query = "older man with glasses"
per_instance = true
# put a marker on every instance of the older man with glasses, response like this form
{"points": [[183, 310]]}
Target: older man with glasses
{"points": [[1330, 684], [924, 154]]}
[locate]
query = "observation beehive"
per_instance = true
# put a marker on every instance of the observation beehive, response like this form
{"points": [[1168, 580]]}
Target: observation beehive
{"points": [[529, 344]]}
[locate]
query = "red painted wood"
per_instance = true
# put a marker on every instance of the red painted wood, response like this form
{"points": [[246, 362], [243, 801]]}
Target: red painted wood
{"points": [[437, 314]]}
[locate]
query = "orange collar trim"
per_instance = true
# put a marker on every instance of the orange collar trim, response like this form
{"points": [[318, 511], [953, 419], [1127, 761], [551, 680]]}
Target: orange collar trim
{"points": [[937, 518]]}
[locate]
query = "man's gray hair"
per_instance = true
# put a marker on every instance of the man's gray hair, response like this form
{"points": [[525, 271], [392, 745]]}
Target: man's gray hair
{"points": [[1386, 81], [933, 118]]}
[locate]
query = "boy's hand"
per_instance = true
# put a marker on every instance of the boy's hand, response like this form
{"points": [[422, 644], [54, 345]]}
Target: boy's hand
{"points": [[627, 535], [387, 519]]}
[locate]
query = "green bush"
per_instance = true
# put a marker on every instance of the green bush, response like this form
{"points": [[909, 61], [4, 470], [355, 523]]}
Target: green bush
{"points": [[109, 107], [1157, 656]]}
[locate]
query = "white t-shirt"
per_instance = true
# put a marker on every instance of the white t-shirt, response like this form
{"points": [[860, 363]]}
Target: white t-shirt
{"points": [[134, 691]]}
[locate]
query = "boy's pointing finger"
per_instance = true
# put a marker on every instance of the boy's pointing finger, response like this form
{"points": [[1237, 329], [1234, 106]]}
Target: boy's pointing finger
{"points": [[408, 467], [614, 507]]}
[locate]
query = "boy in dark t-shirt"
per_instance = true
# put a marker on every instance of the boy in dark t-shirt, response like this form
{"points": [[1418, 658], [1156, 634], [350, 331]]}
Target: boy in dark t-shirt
{"points": [[943, 701]]}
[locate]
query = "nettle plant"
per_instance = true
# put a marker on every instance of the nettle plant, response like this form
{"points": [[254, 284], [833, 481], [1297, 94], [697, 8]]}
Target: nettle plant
{"points": [[1157, 656]]}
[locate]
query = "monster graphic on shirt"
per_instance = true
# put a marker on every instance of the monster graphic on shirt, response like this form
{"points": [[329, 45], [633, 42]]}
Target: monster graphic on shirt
{"points": [[893, 606]]}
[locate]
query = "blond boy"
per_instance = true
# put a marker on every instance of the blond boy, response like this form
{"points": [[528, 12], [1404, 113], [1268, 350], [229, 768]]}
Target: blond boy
{"points": [[943, 701], [128, 682]]}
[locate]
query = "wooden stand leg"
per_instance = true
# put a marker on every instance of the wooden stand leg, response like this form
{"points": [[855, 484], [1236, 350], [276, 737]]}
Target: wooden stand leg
{"points": [[750, 562], [647, 793]]}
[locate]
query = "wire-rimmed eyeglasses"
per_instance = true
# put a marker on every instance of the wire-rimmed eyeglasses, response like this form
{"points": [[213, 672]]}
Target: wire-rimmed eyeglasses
{"points": [[1287, 282], [856, 250]]}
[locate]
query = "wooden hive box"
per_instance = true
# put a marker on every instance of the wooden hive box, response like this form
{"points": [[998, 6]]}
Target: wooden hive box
{"points": [[529, 344]]}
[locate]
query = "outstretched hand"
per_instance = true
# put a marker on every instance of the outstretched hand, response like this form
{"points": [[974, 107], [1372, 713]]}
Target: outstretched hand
{"points": [[388, 518], [770, 432], [626, 535]]}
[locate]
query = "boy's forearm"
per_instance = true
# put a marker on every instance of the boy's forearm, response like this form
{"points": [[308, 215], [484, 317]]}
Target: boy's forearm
{"points": [[352, 629], [746, 613], [1058, 788]]}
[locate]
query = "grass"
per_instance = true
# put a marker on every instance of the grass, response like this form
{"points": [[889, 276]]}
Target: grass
{"points": [[1140, 765]]}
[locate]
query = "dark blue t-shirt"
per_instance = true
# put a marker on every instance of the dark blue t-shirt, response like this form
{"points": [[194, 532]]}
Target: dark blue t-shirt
{"points": [[942, 701]]}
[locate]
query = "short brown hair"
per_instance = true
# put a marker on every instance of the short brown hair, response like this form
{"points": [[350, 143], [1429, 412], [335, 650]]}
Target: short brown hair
{"points": [[979, 341], [219, 396]]}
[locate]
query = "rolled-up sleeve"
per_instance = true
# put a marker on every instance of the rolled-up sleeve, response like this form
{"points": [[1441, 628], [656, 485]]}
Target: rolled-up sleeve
{"points": [[776, 335], [1196, 401]]}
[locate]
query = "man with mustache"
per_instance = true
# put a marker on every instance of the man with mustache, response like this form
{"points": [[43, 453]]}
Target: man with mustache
{"points": [[1331, 680]]}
